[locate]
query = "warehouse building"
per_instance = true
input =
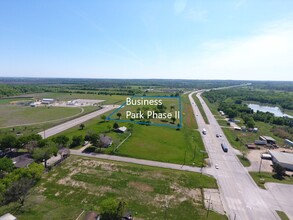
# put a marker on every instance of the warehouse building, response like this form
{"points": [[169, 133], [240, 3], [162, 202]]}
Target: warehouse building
{"points": [[268, 139], [47, 101], [283, 159], [288, 143]]}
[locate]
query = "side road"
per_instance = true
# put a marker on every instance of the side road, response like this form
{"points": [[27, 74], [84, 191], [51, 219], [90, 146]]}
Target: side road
{"points": [[69, 124], [140, 161]]}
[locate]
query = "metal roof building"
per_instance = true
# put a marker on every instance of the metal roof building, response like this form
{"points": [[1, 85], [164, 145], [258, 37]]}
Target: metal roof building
{"points": [[269, 139], [284, 159]]}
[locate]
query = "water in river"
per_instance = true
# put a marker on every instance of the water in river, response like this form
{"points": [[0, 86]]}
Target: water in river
{"points": [[263, 108]]}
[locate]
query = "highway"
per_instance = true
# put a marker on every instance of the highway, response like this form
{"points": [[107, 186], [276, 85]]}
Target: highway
{"points": [[241, 197], [69, 124]]}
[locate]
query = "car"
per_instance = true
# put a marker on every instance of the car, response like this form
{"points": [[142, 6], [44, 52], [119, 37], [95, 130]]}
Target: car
{"points": [[217, 135], [216, 166]]}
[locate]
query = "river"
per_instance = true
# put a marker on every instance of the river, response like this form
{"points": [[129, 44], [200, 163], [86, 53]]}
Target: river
{"points": [[263, 108]]}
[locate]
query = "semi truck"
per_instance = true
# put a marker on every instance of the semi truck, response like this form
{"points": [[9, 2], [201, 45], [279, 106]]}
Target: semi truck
{"points": [[224, 147]]}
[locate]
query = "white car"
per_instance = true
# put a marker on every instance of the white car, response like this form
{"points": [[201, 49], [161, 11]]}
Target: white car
{"points": [[216, 166]]}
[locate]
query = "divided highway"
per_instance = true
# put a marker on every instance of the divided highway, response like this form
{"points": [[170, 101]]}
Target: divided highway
{"points": [[241, 197]]}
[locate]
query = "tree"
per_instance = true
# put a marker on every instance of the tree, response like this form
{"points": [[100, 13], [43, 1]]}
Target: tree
{"points": [[31, 145], [119, 115], [112, 209], [6, 166], [173, 119], [45, 153], [19, 191], [61, 141], [81, 126], [8, 141], [76, 141], [250, 123], [279, 170], [115, 125], [94, 139], [103, 117]]}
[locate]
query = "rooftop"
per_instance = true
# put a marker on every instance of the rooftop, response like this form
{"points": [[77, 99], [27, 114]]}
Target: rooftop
{"points": [[7, 216], [268, 138], [22, 161], [282, 157]]}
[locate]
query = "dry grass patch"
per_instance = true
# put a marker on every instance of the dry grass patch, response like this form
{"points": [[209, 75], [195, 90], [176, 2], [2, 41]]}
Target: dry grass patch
{"points": [[141, 186]]}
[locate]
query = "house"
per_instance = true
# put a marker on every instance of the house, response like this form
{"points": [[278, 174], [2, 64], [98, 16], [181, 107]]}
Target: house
{"points": [[22, 161], [64, 152], [121, 129], [8, 216], [106, 141]]}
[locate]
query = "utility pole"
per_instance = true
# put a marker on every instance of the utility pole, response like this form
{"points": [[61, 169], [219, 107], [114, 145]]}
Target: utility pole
{"points": [[202, 151], [260, 165], [209, 207]]}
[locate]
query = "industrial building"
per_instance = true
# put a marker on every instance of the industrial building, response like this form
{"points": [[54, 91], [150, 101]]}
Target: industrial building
{"points": [[288, 143], [47, 101], [283, 159], [268, 139]]}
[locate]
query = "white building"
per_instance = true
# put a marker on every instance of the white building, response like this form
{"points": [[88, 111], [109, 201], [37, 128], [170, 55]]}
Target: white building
{"points": [[283, 159], [47, 101], [7, 216]]}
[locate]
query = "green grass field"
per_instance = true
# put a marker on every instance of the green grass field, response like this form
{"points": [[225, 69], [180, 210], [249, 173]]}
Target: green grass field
{"points": [[14, 115], [153, 142], [268, 177], [202, 112], [245, 162], [283, 215], [82, 184], [167, 144]]}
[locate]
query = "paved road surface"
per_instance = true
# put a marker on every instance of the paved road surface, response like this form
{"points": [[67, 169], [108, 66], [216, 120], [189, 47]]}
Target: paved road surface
{"points": [[69, 124], [241, 197], [139, 161]]}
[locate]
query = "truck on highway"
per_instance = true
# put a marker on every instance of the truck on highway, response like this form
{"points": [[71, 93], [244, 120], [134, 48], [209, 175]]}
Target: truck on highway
{"points": [[204, 131], [224, 147]]}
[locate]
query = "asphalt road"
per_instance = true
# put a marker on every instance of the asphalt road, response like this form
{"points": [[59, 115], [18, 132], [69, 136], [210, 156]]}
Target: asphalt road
{"points": [[241, 197], [69, 124]]}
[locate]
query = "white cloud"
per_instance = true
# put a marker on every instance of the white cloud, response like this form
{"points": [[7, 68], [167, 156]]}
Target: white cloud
{"points": [[264, 56]]}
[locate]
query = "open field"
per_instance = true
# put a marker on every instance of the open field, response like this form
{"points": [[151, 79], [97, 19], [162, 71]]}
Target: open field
{"points": [[20, 118], [171, 105], [268, 177], [166, 144], [152, 142], [14, 115], [82, 184]]}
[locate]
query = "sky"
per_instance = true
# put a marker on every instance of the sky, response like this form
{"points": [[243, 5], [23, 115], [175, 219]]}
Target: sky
{"points": [[166, 39]]}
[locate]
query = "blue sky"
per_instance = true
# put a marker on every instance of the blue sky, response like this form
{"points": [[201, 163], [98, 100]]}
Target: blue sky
{"points": [[181, 39]]}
